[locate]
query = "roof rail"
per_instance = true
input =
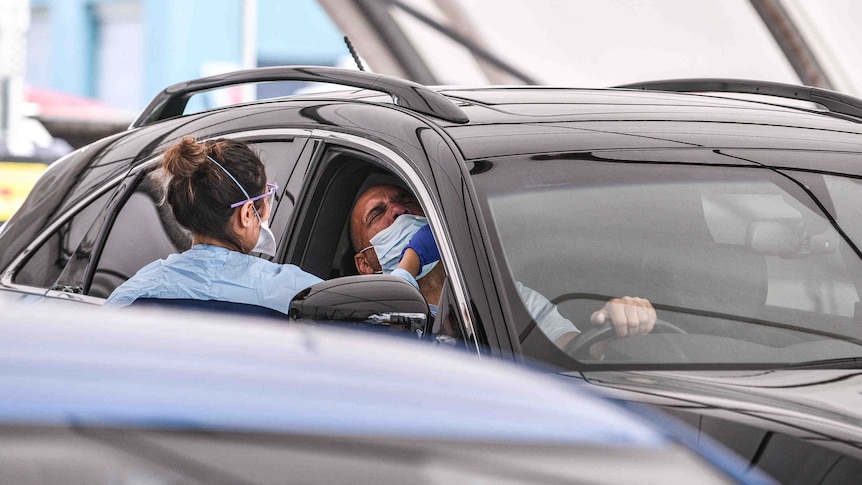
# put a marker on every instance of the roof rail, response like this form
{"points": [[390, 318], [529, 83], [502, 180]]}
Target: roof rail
{"points": [[172, 101], [833, 101]]}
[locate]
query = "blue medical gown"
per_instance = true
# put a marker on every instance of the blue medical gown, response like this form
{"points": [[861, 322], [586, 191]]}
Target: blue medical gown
{"points": [[207, 272]]}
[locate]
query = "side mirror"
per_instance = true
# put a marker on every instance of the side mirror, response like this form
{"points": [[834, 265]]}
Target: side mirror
{"points": [[376, 302]]}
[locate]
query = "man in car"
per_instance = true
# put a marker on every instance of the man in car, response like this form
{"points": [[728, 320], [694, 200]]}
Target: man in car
{"points": [[387, 222]]}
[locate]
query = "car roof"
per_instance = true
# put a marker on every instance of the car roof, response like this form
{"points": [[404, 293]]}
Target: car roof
{"points": [[524, 104], [498, 121], [540, 121], [163, 370], [517, 120]]}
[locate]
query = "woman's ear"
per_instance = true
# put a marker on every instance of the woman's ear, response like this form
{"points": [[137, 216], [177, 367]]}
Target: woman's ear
{"points": [[247, 215]]}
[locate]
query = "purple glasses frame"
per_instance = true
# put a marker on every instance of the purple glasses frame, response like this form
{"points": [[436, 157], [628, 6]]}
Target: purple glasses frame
{"points": [[271, 190]]}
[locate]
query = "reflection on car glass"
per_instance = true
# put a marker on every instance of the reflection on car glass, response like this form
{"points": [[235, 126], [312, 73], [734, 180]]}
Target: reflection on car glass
{"points": [[44, 266], [738, 257]]}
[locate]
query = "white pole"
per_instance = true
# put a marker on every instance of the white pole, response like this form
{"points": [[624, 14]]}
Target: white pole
{"points": [[249, 44], [14, 23], [249, 34]]}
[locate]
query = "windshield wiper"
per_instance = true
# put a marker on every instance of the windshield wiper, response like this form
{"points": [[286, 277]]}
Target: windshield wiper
{"points": [[840, 363]]}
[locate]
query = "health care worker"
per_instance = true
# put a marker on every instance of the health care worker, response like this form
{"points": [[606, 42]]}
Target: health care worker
{"points": [[392, 235], [210, 192]]}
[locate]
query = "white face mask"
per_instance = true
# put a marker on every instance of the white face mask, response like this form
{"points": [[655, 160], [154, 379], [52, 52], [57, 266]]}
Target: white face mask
{"points": [[266, 239], [391, 242]]}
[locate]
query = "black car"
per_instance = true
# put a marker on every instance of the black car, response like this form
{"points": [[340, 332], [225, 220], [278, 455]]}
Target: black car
{"points": [[731, 205]]}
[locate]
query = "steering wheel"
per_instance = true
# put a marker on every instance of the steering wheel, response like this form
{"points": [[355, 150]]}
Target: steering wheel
{"points": [[597, 333]]}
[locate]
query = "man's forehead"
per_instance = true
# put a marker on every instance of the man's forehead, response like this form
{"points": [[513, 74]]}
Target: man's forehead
{"points": [[379, 194]]}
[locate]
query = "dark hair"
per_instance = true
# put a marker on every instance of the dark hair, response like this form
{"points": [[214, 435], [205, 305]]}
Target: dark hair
{"points": [[201, 193]]}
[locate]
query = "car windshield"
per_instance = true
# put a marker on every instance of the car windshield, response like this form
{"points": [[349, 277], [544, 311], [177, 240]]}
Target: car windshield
{"points": [[745, 264]]}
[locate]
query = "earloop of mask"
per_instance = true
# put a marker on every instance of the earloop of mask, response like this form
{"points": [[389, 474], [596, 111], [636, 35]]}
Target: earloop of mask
{"points": [[266, 239], [213, 160]]}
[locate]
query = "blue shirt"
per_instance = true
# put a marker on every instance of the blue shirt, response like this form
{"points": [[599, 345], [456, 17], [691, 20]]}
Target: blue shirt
{"points": [[207, 272], [545, 313]]}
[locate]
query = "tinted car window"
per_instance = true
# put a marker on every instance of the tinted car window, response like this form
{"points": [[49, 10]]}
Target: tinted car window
{"points": [[742, 259], [43, 267], [145, 229]]}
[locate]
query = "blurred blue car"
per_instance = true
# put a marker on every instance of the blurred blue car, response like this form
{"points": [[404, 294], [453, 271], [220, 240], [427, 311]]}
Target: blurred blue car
{"points": [[136, 396]]}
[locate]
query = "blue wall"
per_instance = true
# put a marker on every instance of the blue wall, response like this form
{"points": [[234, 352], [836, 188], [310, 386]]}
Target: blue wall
{"points": [[298, 30], [70, 45], [181, 37]]}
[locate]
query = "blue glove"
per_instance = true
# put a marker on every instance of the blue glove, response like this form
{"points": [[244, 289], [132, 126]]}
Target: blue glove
{"points": [[423, 243]]}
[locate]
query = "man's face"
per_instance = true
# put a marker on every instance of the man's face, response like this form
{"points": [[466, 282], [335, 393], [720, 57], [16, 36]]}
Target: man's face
{"points": [[376, 210]]}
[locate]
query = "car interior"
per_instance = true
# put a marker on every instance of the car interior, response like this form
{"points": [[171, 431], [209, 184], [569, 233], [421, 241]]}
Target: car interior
{"points": [[732, 262], [322, 243], [144, 224], [323, 246]]}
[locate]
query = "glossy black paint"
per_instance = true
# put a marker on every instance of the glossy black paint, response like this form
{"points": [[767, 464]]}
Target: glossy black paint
{"points": [[803, 426]]}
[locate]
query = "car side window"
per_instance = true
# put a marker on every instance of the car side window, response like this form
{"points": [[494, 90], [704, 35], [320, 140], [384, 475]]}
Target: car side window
{"points": [[321, 243], [44, 266], [144, 231]]}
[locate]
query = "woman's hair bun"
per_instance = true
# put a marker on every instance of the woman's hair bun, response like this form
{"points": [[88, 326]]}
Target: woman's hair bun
{"points": [[184, 158]]}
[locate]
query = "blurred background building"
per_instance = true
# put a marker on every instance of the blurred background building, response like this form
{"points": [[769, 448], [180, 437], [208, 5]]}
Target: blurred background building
{"points": [[83, 69], [120, 53]]}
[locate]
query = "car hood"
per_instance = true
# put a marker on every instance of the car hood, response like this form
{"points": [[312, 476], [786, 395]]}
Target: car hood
{"points": [[823, 405]]}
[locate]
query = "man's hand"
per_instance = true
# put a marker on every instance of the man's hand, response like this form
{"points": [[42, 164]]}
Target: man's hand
{"points": [[630, 316]]}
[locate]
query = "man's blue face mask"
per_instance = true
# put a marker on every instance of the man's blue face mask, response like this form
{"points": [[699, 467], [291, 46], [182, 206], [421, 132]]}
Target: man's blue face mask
{"points": [[391, 242]]}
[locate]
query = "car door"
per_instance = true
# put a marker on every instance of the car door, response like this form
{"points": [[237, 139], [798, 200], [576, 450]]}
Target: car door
{"points": [[38, 241]]}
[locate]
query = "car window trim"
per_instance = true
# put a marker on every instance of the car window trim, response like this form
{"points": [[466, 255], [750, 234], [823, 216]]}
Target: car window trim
{"points": [[273, 133], [397, 164]]}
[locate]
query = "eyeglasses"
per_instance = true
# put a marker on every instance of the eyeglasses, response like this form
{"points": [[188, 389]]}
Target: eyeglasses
{"points": [[271, 189]]}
